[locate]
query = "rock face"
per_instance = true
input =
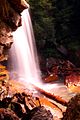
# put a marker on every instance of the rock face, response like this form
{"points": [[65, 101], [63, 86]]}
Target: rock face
{"points": [[73, 109], [18, 5], [10, 19], [7, 114], [39, 113]]}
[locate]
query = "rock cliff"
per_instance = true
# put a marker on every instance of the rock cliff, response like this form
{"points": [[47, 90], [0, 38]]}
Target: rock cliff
{"points": [[10, 20]]}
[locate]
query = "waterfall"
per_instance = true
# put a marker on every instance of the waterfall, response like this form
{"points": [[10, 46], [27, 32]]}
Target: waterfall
{"points": [[23, 60], [23, 54]]}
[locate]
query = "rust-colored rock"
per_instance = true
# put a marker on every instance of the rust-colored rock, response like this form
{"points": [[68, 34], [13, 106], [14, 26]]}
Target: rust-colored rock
{"points": [[10, 20], [50, 78], [9, 15], [6, 39], [5, 35]]}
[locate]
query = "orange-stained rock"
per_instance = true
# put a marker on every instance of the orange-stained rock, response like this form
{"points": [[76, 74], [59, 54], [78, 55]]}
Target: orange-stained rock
{"points": [[6, 40], [51, 78], [9, 15], [4, 74], [10, 20], [73, 82], [73, 79]]}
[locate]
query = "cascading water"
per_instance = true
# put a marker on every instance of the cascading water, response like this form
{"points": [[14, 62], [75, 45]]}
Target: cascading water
{"points": [[23, 55], [23, 61]]}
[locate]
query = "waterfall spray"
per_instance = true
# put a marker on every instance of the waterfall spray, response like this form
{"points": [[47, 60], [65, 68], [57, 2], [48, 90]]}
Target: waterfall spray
{"points": [[23, 54], [23, 59]]}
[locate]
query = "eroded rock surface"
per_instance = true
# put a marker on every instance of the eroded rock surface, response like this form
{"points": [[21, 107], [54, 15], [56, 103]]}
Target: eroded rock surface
{"points": [[7, 114], [39, 113], [10, 20]]}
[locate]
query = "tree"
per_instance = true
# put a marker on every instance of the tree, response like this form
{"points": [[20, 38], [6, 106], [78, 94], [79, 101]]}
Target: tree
{"points": [[41, 12], [56, 21]]}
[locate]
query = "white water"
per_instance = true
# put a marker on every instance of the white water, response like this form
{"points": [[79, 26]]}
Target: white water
{"points": [[23, 62], [23, 55]]}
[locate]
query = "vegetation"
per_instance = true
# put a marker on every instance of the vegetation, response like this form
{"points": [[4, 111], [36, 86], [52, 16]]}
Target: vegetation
{"points": [[56, 21]]}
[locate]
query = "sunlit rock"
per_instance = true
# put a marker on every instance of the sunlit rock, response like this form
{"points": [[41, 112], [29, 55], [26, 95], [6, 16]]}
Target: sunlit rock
{"points": [[73, 82]]}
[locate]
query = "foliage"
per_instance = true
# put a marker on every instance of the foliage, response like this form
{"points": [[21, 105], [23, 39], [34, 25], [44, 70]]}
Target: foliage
{"points": [[41, 12], [67, 22], [56, 20]]}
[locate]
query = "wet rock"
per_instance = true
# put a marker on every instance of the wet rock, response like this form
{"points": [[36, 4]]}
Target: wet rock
{"points": [[16, 107], [38, 113], [73, 79], [73, 109], [7, 114]]}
